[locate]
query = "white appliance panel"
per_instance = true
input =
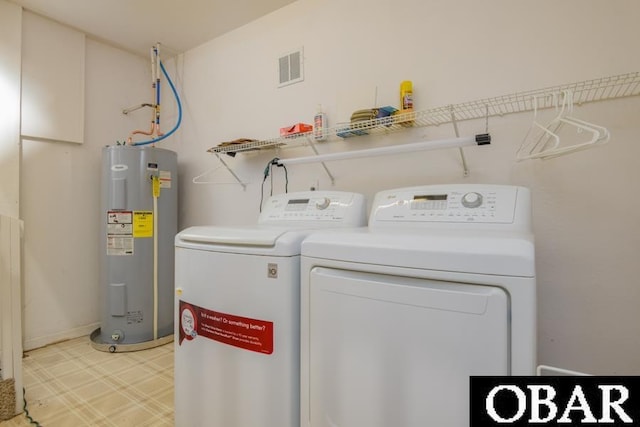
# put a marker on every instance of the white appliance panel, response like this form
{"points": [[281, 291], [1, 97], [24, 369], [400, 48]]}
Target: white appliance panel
{"points": [[377, 346], [314, 209], [470, 206], [217, 384]]}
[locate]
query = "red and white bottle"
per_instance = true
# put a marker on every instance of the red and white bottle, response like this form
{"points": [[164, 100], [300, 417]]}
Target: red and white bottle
{"points": [[320, 125]]}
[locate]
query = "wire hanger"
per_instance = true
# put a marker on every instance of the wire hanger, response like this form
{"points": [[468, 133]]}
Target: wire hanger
{"points": [[200, 179]]}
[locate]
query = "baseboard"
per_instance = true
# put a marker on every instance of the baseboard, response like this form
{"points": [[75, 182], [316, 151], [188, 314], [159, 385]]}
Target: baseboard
{"points": [[37, 342]]}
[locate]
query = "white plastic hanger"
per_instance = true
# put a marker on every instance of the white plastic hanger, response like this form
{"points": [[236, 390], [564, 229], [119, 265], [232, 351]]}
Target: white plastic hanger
{"points": [[548, 145], [529, 149], [599, 135]]}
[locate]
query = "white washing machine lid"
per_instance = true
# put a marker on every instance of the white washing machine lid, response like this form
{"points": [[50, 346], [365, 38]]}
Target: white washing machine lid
{"points": [[479, 252], [248, 236], [250, 240]]}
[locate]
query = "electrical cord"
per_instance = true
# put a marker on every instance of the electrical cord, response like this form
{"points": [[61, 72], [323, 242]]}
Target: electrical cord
{"points": [[26, 412], [267, 172], [286, 177]]}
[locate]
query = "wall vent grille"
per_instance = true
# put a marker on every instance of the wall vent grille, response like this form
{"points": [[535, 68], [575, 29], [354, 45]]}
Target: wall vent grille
{"points": [[290, 68]]}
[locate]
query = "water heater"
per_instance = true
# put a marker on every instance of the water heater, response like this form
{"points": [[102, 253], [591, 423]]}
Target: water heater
{"points": [[138, 226]]}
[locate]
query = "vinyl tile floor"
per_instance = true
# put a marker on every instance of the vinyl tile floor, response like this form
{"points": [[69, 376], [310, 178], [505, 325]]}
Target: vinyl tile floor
{"points": [[71, 384]]}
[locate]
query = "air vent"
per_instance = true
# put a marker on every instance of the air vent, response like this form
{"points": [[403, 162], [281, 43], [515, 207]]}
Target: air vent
{"points": [[290, 68]]}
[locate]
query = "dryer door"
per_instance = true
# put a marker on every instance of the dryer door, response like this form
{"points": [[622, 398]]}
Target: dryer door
{"points": [[399, 351]]}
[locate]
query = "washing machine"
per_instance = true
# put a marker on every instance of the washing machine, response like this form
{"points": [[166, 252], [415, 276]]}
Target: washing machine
{"points": [[238, 312], [396, 317]]}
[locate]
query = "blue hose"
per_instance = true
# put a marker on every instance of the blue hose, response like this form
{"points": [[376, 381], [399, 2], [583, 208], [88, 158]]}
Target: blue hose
{"points": [[175, 93]]}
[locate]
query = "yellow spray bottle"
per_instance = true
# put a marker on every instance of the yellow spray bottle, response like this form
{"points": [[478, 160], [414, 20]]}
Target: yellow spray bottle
{"points": [[406, 95], [406, 103]]}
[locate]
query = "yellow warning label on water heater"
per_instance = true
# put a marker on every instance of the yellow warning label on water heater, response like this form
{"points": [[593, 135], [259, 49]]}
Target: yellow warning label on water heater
{"points": [[142, 224]]}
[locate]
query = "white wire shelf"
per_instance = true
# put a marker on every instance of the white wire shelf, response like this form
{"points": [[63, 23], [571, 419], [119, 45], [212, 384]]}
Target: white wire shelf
{"points": [[620, 86], [251, 146]]}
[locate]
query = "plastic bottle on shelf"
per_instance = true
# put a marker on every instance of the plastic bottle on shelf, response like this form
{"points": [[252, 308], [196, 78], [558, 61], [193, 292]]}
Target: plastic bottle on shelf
{"points": [[320, 125], [406, 102], [406, 95]]}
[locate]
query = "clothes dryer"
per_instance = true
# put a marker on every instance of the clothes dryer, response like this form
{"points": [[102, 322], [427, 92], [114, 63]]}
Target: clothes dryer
{"points": [[396, 318], [238, 316]]}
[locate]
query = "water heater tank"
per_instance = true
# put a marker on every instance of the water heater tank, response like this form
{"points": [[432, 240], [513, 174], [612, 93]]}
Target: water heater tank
{"points": [[138, 225]]}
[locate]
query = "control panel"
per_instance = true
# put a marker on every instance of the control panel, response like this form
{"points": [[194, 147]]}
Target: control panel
{"points": [[334, 206], [452, 204]]}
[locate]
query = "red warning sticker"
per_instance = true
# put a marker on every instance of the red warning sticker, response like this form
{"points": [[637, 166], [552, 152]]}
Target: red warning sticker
{"points": [[242, 332]]}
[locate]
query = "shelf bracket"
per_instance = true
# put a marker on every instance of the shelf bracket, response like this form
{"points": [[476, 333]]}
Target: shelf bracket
{"points": [[465, 168], [326, 169], [244, 186]]}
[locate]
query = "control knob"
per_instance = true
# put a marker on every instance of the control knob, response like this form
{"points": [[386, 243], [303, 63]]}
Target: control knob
{"points": [[324, 203], [472, 200]]}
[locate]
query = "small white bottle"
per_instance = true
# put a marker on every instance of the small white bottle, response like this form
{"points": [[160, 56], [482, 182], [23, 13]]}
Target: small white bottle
{"points": [[320, 125]]}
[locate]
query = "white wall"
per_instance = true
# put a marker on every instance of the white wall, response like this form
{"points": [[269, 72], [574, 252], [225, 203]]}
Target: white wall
{"points": [[53, 63], [585, 209], [10, 38], [60, 198], [10, 35]]}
